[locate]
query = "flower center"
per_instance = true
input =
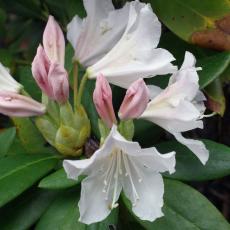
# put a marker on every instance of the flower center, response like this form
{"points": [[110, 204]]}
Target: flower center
{"points": [[120, 167]]}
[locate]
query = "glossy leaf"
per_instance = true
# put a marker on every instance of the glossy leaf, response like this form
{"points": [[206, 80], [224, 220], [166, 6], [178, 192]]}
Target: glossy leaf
{"points": [[26, 210], [201, 22], [16, 148], [189, 168], [215, 97], [6, 139], [212, 67], [185, 208], [57, 180], [17, 173], [63, 214]]}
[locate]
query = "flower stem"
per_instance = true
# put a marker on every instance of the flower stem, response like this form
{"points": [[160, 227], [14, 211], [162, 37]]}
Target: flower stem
{"points": [[75, 82], [81, 88]]}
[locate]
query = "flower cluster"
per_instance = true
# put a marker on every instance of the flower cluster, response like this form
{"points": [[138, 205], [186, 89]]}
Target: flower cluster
{"points": [[120, 47], [117, 46]]}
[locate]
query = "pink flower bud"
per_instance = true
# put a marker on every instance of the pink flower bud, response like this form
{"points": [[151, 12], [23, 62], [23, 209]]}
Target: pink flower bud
{"points": [[58, 82], [102, 97], [51, 78], [135, 101], [40, 70], [54, 42], [16, 105]]}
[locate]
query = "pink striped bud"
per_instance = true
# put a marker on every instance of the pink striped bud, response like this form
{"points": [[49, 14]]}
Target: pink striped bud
{"points": [[54, 42], [40, 70], [102, 97], [58, 82], [16, 105], [52, 78], [135, 101]]}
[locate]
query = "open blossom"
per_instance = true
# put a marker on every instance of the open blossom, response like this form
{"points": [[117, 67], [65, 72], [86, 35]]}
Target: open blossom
{"points": [[7, 82], [180, 107], [93, 36], [135, 55], [121, 165], [102, 97], [135, 101], [48, 64], [16, 105]]}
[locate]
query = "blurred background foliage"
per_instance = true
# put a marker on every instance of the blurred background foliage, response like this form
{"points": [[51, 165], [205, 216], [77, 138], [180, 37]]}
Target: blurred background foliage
{"points": [[202, 27]]}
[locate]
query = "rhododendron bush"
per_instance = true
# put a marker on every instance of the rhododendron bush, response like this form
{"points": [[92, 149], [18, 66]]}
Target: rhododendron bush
{"points": [[107, 110]]}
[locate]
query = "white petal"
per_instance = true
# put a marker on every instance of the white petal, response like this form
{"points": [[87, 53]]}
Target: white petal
{"points": [[189, 60], [95, 35], [158, 162], [197, 147], [129, 59], [181, 118], [75, 168], [187, 72], [74, 30], [177, 126], [7, 82], [144, 188], [180, 106], [93, 205]]}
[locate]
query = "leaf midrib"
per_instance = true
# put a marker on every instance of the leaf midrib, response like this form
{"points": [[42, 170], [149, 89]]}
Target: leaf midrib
{"points": [[24, 166], [208, 20]]}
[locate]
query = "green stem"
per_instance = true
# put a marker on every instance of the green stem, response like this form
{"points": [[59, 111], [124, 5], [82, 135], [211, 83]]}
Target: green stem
{"points": [[81, 88], [75, 82]]}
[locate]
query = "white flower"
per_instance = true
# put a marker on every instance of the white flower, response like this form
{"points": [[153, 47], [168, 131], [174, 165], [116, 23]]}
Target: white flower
{"points": [[135, 55], [93, 36], [7, 82], [180, 106], [121, 164]]}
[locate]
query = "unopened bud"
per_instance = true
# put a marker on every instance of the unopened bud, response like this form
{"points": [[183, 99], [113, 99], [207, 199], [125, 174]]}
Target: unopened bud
{"points": [[70, 135], [54, 42], [102, 97], [135, 101]]}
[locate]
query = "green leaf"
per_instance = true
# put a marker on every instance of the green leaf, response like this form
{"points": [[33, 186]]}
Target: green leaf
{"points": [[87, 101], [212, 67], [63, 214], [201, 22], [6, 57], [16, 148], [26, 210], [188, 166], [69, 53], [65, 11], [143, 129], [27, 80], [6, 139], [215, 96], [58, 180], [17, 173], [185, 208], [30, 137]]}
